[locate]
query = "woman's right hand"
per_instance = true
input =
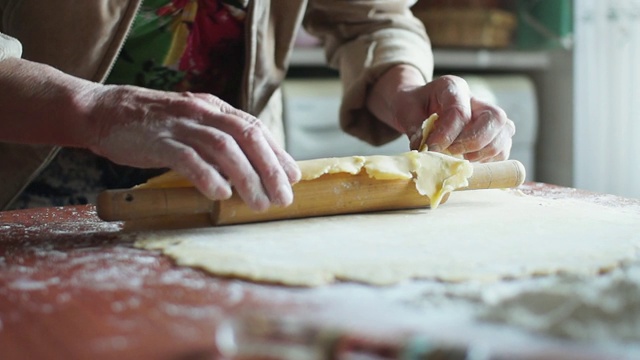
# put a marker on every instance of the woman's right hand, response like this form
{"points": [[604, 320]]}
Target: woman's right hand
{"points": [[199, 136]]}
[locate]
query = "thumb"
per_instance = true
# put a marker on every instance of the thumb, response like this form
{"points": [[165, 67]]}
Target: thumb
{"points": [[453, 106]]}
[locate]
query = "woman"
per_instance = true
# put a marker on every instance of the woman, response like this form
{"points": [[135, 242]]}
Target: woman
{"points": [[216, 116]]}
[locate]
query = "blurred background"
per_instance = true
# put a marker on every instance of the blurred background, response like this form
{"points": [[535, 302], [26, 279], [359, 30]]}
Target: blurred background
{"points": [[566, 72]]}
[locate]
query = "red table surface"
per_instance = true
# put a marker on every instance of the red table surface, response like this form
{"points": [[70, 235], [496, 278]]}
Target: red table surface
{"points": [[74, 287]]}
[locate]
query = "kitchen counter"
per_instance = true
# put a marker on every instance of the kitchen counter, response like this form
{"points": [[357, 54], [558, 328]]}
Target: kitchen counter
{"points": [[74, 287]]}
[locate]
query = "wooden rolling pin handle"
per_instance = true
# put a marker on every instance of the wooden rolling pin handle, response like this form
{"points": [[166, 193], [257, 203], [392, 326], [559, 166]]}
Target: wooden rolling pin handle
{"points": [[119, 205], [496, 175]]}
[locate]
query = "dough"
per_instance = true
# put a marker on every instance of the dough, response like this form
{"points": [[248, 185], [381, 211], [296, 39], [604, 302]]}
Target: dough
{"points": [[481, 235], [427, 127], [434, 174]]}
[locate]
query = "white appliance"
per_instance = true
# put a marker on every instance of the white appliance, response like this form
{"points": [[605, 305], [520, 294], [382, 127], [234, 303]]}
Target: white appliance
{"points": [[312, 129]]}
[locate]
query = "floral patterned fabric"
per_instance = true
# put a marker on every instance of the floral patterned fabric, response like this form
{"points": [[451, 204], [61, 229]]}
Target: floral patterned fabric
{"points": [[185, 45], [174, 45]]}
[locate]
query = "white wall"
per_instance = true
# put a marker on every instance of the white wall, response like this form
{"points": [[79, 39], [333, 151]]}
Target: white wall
{"points": [[554, 150], [607, 95]]}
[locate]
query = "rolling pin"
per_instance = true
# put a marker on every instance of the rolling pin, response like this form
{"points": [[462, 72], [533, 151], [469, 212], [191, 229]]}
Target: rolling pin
{"points": [[330, 194]]}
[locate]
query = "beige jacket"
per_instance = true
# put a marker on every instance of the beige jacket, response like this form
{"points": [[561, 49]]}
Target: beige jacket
{"points": [[82, 38]]}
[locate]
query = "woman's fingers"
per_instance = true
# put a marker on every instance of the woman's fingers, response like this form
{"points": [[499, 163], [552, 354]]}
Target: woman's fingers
{"points": [[186, 161], [451, 100], [209, 142], [288, 164], [487, 135], [249, 164], [221, 151], [478, 130], [248, 151], [497, 150], [264, 159]]}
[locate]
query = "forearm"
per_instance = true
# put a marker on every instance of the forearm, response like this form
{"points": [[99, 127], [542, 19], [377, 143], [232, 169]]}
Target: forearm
{"points": [[41, 105], [200, 136], [382, 95]]}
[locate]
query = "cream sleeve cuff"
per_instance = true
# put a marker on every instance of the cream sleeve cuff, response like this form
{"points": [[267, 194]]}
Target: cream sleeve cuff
{"points": [[9, 47], [362, 62]]}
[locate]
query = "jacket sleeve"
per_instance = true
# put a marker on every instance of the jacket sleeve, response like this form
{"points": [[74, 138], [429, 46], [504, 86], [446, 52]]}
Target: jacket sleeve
{"points": [[363, 39], [9, 47]]}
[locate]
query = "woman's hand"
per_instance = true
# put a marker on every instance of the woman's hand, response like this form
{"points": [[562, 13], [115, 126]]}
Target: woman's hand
{"points": [[477, 130], [200, 136]]}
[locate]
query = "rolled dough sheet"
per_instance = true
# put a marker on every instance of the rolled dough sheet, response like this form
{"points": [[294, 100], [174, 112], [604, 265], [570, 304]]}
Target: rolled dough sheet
{"points": [[481, 235]]}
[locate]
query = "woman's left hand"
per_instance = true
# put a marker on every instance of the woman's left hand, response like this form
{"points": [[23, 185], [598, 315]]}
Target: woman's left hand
{"points": [[479, 131]]}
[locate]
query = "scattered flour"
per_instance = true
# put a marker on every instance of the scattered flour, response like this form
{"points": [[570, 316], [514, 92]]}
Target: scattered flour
{"points": [[602, 309]]}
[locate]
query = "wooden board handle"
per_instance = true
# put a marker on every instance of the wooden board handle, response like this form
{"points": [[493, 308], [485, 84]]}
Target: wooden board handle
{"points": [[328, 195]]}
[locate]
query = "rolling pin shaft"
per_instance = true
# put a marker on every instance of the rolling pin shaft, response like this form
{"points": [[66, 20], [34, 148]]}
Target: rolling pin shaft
{"points": [[331, 194]]}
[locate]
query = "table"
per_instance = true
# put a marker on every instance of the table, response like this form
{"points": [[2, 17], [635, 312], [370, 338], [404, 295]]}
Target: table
{"points": [[74, 287]]}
